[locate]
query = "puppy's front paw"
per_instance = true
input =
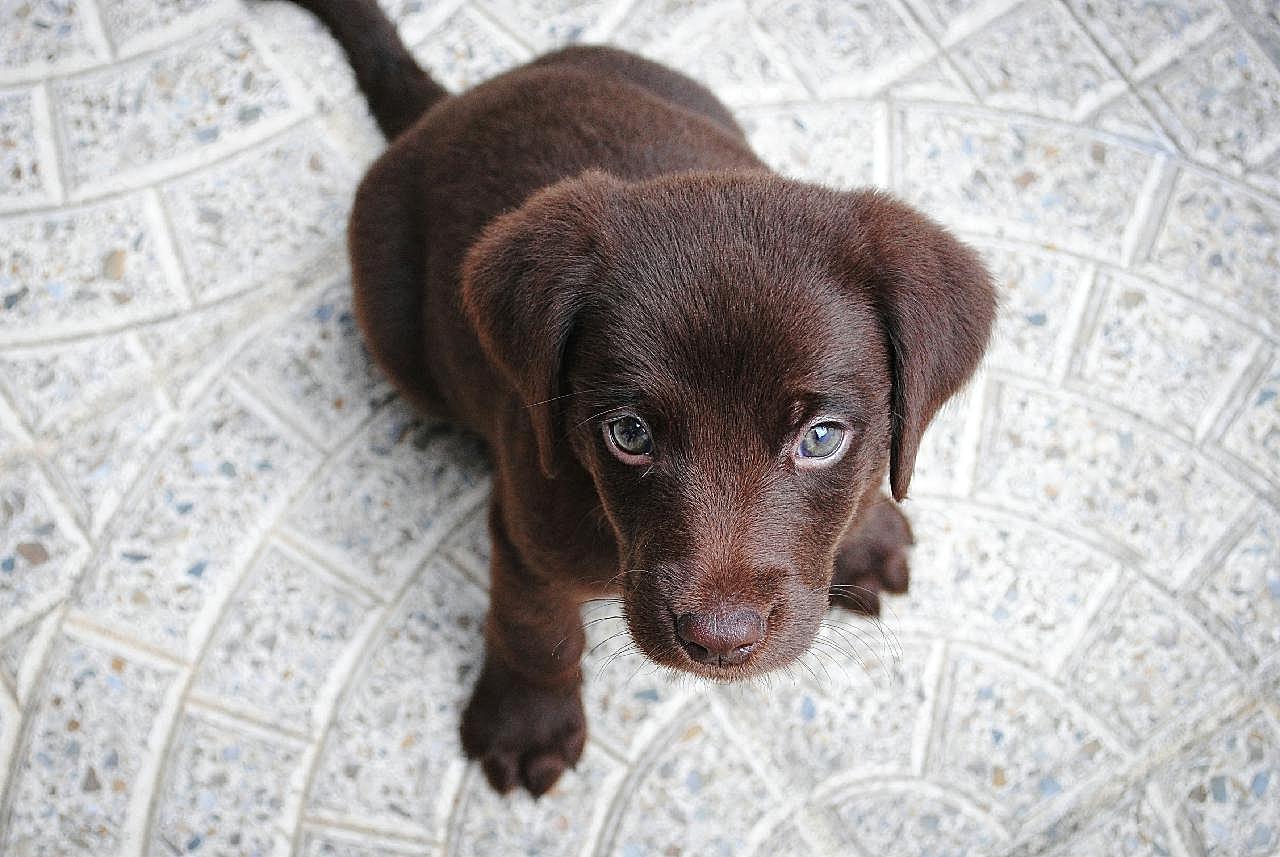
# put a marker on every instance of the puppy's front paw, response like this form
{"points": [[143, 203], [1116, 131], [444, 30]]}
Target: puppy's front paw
{"points": [[872, 559], [521, 734]]}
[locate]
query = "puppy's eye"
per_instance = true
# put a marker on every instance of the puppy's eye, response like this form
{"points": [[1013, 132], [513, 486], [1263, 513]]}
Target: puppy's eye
{"points": [[821, 441], [628, 439]]}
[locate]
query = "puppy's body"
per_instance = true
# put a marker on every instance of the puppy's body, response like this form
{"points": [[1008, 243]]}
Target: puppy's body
{"points": [[583, 253]]}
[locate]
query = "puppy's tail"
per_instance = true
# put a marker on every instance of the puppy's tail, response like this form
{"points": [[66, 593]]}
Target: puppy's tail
{"points": [[397, 88]]}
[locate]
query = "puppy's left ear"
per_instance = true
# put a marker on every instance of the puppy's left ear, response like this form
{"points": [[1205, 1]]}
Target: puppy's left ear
{"points": [[523, 283], [937, 303]]}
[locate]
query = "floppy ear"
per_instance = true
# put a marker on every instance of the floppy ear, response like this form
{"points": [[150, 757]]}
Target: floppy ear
{"points": [[937, 304], [523, 282]]}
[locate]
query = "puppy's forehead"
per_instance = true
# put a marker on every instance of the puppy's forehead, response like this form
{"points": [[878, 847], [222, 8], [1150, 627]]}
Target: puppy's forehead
{"points": [[719, 335]]}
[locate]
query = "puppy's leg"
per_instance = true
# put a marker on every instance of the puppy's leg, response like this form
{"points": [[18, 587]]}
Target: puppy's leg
{"points": [[872, 558], [525, 723]]}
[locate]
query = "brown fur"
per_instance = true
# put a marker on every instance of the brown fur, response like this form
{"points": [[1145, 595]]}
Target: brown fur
{"points": [[589, 233]]}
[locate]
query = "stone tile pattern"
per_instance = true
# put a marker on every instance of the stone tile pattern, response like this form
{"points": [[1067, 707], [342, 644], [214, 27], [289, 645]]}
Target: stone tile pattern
{"points": [[242, 587]]}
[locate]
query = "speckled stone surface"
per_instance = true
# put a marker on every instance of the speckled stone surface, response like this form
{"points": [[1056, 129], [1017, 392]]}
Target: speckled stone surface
{"points": [[242, 585]]}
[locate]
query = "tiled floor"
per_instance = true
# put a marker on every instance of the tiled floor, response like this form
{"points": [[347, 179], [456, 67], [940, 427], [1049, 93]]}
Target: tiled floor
{"points": [[240, 585]]}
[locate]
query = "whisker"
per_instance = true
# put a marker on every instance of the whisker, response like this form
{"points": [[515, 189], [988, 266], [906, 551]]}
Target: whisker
{"points": [[597, 416], [894, 643], [586, 625], [566, 396], [629, 649], [801, 661], [852, 633], [605, 640], [830, 646]]}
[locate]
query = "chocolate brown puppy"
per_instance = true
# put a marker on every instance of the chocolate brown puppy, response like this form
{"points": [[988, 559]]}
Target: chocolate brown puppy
{"points": [[692, 375]]}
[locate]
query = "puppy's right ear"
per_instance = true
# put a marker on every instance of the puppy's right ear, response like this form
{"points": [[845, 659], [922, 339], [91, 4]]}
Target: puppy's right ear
{"points": [[523, 283]]}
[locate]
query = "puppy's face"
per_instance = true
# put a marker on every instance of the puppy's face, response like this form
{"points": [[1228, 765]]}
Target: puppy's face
{"points": [[735, 360], [732, 412]]}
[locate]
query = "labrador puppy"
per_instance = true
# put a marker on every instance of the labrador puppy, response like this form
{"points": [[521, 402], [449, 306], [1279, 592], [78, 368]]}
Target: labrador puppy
{"points": [[691, 374]]}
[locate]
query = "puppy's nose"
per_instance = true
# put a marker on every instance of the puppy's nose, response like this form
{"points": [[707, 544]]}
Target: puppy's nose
{"points": [[720, 638]]}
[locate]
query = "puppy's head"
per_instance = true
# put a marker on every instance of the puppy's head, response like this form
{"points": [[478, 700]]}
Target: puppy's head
{"points": [[735, 360]]}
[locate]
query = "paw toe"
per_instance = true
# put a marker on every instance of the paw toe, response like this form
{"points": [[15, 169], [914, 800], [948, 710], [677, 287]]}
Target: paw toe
{"points": [[896, 573], [540, 772], [500, 770]]}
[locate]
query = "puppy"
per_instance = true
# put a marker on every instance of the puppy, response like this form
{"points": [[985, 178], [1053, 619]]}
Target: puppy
{"points": [[692, 375]]}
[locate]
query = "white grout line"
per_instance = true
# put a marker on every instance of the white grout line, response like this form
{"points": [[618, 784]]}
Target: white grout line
{"points": [[1148, 212]]}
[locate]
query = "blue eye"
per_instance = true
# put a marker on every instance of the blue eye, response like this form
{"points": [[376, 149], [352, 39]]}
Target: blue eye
{"points": [[630, 435], [821, 441]]}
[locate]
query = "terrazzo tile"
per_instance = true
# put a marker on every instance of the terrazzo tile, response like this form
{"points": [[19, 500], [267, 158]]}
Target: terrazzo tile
{"points": [[1244, 590], [1226, 786], [1262, 20], [1221, 245], [281, 638], [937, 467], [13, 649], [1128, 117], [63, 271], [1223, 101], [1140, 36], [54, 387], [936, 80], [843, 49], [1254, 434], [1014, 743], [102, 458], [550, 24], [468, 546], [559, 823], [715, 44], [219, 483], [134, 25], [1036, 294], [903, 821], [41, 554], [467, 49], [252, 217], [302, 45], [384, 504], [392, 755], [47, 36], [22, 650], [1018, 62], [190, 350], [951, 20], [1159, 355], [853, 711], [313, 362], [1147, 664], [834, 146], [1001, 581], [650, 24], [786, 840], [678, 806], [194, 101], [224, 792], [27, 175], [1091, 469], [416, 18], [1060, 186], [1132, 828], [323, 843], [85, 746]]}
